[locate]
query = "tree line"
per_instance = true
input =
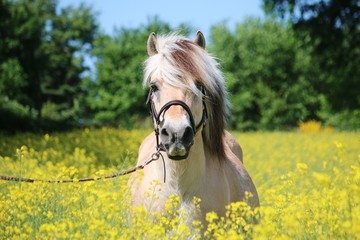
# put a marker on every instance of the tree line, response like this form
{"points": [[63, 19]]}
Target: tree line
{"points": [[299, 63]]}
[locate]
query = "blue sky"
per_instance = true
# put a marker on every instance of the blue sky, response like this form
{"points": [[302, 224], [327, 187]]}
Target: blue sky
{"points": [[199, 14]]}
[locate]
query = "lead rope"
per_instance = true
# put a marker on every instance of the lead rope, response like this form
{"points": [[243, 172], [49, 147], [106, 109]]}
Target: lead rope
{"points": [[158, 151], [155, 156]]}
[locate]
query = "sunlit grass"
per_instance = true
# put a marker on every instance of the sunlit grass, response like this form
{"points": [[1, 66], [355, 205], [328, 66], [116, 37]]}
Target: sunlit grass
{"points": [[308, 183]]}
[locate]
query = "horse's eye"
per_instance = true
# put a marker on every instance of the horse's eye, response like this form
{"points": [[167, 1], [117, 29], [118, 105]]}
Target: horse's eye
{"points": [[199, 85], [154, 88]]}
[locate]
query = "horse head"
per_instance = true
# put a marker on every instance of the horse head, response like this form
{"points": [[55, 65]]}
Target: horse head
{"points": [[178, 111]]}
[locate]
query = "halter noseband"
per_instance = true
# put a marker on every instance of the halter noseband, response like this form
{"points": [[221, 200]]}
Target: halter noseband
{"points": [[157, 116]]}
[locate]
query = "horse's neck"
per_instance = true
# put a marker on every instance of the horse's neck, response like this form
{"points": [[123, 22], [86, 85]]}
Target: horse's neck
{"points": [[186, 176]]}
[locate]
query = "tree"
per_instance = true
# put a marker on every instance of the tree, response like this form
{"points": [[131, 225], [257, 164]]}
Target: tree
{"points": [[268, 75], [333, 27], [68, 41], [41, 58]]}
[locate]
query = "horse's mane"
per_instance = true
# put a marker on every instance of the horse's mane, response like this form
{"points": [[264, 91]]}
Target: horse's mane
{"points": [[184, 64]]}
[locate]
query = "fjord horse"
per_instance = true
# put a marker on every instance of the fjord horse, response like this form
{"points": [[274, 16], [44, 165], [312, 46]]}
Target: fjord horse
{"points": [[189, 106]]}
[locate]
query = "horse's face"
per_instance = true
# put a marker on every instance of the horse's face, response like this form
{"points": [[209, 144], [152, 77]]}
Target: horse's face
{"points": [[178, 111], [176, 127]]}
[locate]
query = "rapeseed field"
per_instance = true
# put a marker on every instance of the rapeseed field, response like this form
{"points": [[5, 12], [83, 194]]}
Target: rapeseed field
{"points": [[308, 182]]}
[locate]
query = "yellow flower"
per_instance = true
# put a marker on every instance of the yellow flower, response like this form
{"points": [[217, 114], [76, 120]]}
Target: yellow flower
{"points": [[311, 126], [211, 217], [320, 199], [302, 166], [322, 179]]}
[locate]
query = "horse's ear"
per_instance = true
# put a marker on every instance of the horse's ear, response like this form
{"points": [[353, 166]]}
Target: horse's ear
{"points": [[200, 40], [151, 45]]}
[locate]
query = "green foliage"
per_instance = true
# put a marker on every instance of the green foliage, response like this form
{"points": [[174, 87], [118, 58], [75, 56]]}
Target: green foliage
{"points": [[12, 79], [42, 58], [15, 116], [333, 28], [268, 74], [298, 65], [345, 120], [117, 95]]}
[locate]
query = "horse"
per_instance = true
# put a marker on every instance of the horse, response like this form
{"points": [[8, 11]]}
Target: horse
{"points": [[189, 105]]}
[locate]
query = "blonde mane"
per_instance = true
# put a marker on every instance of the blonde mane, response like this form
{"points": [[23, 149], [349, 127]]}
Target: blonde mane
{"points": [[184, 64]]}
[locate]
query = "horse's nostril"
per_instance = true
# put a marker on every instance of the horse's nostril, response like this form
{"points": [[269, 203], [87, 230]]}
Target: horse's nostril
{"points": [[188, 136], [164, 132]]}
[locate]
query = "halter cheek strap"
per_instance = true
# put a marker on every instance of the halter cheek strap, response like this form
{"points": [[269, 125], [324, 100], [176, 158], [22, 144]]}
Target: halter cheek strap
{"points": [[205, 113]]}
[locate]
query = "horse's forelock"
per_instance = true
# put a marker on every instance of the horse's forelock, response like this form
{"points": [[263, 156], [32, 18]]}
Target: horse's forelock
{"points": [[181, 63]]}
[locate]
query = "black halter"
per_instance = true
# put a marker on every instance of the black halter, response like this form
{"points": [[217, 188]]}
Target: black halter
{"points": [[156, 116]]}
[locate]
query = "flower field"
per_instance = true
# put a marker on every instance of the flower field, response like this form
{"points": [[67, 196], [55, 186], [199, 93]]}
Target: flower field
{"points": [[308, 184]]}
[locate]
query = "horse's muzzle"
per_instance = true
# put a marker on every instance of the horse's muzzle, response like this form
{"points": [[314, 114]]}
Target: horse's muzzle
{"points": [[177, 143]]}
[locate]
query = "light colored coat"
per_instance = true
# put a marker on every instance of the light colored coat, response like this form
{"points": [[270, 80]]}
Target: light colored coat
{"points": [[212, 167]]}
